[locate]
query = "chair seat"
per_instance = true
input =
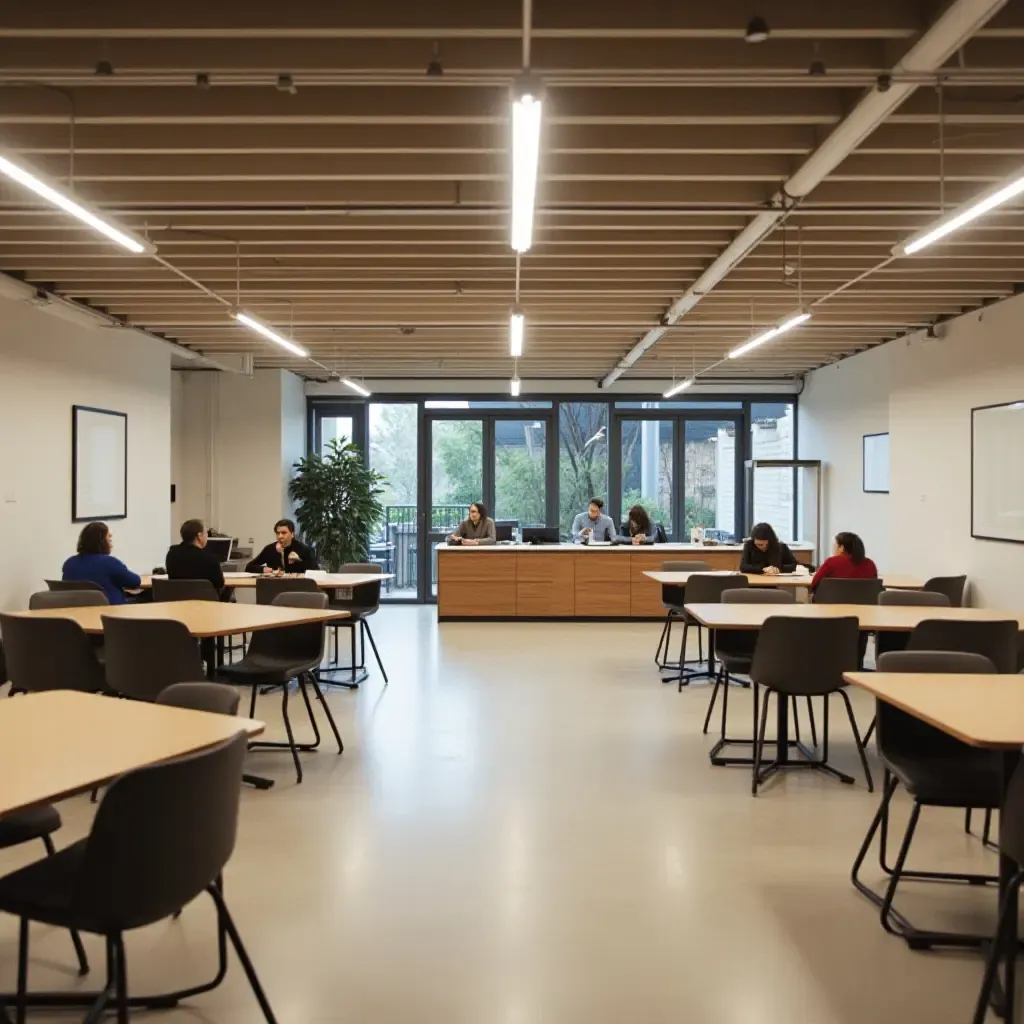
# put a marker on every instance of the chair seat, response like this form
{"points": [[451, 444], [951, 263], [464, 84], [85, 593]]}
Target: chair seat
{"points": [[23, 826], [972, 779], [266, 669], [44, 890]]}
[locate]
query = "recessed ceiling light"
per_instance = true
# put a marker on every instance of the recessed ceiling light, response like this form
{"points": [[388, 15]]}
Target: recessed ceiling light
{"points": [[757, 30]]}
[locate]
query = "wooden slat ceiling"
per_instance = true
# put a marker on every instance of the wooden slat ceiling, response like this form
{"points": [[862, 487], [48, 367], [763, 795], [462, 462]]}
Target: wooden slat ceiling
{"points": [[368, 211]]}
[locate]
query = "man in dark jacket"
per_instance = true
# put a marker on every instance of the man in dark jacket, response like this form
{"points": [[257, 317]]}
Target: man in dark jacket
{"points": [[190, 560], [285, 553]]}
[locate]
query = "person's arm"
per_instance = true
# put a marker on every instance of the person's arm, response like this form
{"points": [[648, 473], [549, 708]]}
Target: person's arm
{"points": [[262, 559], [787, 558], [490, 534], [827, 568], [121, 575], [746, 563], [577, 527]]}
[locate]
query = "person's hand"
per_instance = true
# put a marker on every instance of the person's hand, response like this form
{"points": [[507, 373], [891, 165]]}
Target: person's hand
{"points": [[586, 531], [293, 557], [267, 571], [279, 548], [638, 538], [471, 542], [771, 570]]}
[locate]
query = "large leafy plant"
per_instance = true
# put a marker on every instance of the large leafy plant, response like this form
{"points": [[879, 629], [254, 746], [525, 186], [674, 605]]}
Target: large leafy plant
{"points": [[336, 503]]}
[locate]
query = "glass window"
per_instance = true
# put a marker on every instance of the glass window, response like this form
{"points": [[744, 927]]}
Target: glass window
{"points": [[519, 481], [709, 475], [773, 437], [679, 405], [647, 459], [463, 403], [582, 458], [334, 428]]}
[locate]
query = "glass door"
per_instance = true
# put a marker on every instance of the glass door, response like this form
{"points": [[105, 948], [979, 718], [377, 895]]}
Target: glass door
{"points": [[520, 472], [647, 449], [712, 479]]}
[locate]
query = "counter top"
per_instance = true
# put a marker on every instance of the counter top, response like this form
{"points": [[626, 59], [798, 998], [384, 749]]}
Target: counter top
{"points": [[651, 549]]}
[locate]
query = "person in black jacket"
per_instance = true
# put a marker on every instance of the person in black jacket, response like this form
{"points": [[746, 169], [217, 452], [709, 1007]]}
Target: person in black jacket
{"points": [[190, 560], [765, 554], [286, 554]]}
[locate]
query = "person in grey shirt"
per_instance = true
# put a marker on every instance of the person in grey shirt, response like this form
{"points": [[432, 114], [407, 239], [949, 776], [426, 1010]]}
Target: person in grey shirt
{"points": [[593, 524], [477, 529]]}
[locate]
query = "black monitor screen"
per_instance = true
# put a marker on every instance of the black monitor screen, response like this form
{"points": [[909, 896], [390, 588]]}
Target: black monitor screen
{"points": [[504, 530], [220, 547], [540, 534]]}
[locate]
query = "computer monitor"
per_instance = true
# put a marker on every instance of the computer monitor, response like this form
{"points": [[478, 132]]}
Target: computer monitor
{"points": [[220, 547], [540, 534], [504, 529]]}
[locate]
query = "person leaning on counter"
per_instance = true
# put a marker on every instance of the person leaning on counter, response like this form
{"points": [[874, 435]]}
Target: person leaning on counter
{"points": [[764, 554], [593, 524], [286, 554], [640, 529], [477, 529]]}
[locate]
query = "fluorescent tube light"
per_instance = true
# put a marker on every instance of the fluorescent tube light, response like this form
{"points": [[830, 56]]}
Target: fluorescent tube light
{"points": [[357, 388], [244, 317], [780, 328], [36, 183], [516, 331], [514, 386], [526, 120], [964, 215], [676, 388]]}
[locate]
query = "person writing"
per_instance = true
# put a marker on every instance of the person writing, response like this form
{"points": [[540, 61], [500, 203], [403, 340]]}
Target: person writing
{"points": [[593, 524], [639, 528], [478, 528], [94, 563], [764, 554], [849, 561], [190, 560], [286, 554]]}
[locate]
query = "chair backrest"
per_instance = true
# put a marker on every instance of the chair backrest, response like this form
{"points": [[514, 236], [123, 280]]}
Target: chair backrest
{"points": [[1011, 818], [160, 836], [918, 597], [805, 656], [268, 588], [833, 590], [144, 656], [301, 645], [49, 654], [707, 589], [757, 595], [73, 585], [67, 599], [673, 595], [903, 735], [184, 590], [217, 698], [952, 586], [366, 596], [997, 641]]}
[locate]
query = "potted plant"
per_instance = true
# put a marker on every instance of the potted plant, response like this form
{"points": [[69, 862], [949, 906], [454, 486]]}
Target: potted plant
{"points": [[336, 503]]}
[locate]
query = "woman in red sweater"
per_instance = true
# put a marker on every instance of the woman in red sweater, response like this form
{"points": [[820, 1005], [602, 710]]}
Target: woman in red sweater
{"points": [[848, 561]]}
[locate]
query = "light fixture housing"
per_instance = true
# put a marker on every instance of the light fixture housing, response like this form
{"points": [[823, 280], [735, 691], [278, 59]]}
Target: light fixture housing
{"points": [[1006, 190], [516, 332], [676, 388], [757, 30], [787, 324], [19, 171], [514, 387], [527, 115], [357, 388], [254, 323]]}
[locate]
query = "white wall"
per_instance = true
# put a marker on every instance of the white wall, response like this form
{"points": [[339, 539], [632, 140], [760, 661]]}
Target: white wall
{"points": [[923, 391], [47, 365]]}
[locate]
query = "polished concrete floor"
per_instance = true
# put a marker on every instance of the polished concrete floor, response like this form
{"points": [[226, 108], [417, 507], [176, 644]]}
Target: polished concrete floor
{"points": [[524, 829]]}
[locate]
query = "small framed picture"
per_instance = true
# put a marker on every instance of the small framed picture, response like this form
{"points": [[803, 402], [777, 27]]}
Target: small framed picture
{"points": [[876, 463], [99, 464]]}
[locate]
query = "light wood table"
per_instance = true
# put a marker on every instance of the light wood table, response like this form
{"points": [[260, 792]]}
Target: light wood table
{"points": [[329, 581], [202, 618], [56, 744], [891, 581], [982, 711]]}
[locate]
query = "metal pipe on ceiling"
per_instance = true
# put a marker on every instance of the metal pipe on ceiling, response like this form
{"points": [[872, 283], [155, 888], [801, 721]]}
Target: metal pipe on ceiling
{"points": [[952, 30]]}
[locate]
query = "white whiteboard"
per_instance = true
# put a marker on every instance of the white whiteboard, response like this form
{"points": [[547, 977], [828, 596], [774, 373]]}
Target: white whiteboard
{"points": [[997, 472], [876, 463], [99, 482]]}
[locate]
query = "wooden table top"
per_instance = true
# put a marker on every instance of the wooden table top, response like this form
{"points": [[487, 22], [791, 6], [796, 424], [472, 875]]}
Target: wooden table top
{"points": [[984, 711], [890, 581], [203, 618], [328, 581], [56, 744], [877, 618]]}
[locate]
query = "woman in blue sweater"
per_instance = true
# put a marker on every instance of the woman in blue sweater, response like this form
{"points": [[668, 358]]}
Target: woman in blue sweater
{"points": [[96, 564]]}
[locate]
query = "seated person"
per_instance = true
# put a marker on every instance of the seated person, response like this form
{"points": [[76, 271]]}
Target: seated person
{"points": [[94, 563], [286, 554], [848, 561], [639, 528], [477, 529], [593, 524], [190, 560], [764, 554]]}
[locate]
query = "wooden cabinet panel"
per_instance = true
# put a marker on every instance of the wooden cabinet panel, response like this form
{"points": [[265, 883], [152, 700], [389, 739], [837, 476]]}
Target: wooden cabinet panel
{"points": [[556, 601], [602, 567], [477, 599], [644, 593], [476, 565], [554, 569]]}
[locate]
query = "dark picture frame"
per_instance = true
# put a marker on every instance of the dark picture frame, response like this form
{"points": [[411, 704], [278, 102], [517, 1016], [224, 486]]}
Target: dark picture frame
{"points": [[81, 510], [984, 408], [864, 465]]}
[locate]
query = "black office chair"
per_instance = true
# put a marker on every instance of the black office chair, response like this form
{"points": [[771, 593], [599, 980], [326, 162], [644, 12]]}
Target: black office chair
{"points": [[216, 698], [67, 599], [673, 597], [888, 640], [841, 591], [806, 658], [364, 602], [268, 588], [161, 836], [276, 657], [49, 654], [996, 640], [952, 586], [144, 656], [184, 590], [72, 585], [703, 589], [935, 769]]}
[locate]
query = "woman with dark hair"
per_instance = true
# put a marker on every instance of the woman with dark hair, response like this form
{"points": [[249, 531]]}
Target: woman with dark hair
{"points": [[477, 529], [639, 528], [764, 554], [849, 561], [94, 563]]}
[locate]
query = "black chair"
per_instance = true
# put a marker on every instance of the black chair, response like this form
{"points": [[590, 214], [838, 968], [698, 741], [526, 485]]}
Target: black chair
{"points": [[50, 654], [161, 836], [952, 586], [73, 585], [276, 657], [997, 641], [364, 602], [833, 590], [805, 658], [144, 656], [216, 698], [934, 768], [888, 640], [673, 597], [184, 590], [67, 599], [267, 588], [703, 589]]}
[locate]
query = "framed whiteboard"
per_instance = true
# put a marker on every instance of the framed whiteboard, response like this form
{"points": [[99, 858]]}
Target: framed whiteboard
{"points": [[876, 463], [997, 472], [99, 464]]}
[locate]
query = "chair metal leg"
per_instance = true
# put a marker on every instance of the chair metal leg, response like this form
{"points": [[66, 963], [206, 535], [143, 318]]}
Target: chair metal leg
{"points": [[252, 701], [858, 740], [291, 736], [121, 980], [373, 644], [987, 830], [21, 1007], [995, 950], [967, 820], [870, 732], [897, 871], [759, 744], [661, 640], [76, 939], [796, 720], [309, 711], [327, 711], [814, 727], [711, 703]]}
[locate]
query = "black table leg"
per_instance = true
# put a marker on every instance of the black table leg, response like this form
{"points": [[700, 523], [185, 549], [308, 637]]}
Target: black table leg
{"points": [[1007, 941], [782, 729]]}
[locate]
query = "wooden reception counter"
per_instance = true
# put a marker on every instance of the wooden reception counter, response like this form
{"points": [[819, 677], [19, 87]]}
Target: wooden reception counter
{"points": [[565, 581]]}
